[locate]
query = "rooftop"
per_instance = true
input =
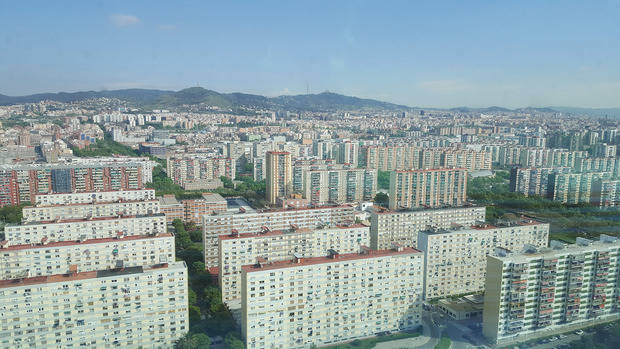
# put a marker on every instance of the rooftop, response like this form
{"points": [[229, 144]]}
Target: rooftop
{"points": [[286, 232], [334, 258], [85, 242], [82, 275], [75, 220]]}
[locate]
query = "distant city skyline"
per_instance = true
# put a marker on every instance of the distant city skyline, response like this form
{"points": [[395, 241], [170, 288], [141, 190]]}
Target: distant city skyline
{"points": [[445, 55]]}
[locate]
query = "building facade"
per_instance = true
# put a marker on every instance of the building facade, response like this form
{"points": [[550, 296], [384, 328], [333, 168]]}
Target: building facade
{"points": [[456, 259], [278, 175], [236, 250], [402, 227], [107, 308], [253, 222], [534, 293], [328, 300], [427, 188]]}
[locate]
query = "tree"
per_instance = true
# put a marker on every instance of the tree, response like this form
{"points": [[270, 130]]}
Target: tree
{"points": [[194, 341], [232, 341], [383, 179], [381, 199]]}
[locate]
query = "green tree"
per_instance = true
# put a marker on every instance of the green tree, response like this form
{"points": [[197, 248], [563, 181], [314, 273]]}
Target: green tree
{"points": [[382, 199], [194, 341], [383, 179], [233, 342]]}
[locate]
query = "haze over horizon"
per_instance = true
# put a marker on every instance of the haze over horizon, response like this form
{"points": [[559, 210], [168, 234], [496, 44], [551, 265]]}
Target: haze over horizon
{"points": [[431, 55]]}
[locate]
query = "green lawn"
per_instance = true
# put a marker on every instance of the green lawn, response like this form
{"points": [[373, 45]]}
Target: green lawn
{"points": [[370, 343], [444, 343]]}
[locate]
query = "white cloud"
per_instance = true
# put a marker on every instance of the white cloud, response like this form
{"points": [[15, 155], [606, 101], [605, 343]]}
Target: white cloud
{"points": [[119, 20], [167, 27]]}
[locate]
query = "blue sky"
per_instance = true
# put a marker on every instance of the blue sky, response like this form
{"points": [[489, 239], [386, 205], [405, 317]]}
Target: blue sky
{"points": [[435, 53]]}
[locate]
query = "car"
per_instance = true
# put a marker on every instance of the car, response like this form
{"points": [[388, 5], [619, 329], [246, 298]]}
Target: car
{"points": [[562, 336], [579, 332], [553, 339]]}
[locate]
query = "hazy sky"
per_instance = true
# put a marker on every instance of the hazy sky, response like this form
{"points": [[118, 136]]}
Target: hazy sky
{"points": [[474, 53]]}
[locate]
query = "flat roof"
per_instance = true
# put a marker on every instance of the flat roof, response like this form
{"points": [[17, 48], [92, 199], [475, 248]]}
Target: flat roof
{"points": [[75, 220], [80, 275], [286, 232], [85, 242], [386, 211], [481, 227], [321, 260], [121, 201], [95, 192]]}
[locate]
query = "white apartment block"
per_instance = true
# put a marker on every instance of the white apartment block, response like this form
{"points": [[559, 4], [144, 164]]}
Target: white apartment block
{"points": [[53, 212], [327, 300], [456, 259], [253, 222], [402, 227], [129, 308], [539, 292], [83, 229], [94, 197], [237, 250], [21, 261]]}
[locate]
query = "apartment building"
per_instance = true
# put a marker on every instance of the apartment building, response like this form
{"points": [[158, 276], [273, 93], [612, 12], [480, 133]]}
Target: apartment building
{"points": [[538, 292], [329, 185], [598, 165], [533, 181], [606, 193], [415, 157], [30, 260], [278, 175], [196, 170], [172, 208], [456, 259], [21, 183], [83, 229], [107, 308], [93, 197], [236, 250], [209, 203], [252, 222], [95, 210], [318, 301], [574, 188], [402, 227], [427, 188]]}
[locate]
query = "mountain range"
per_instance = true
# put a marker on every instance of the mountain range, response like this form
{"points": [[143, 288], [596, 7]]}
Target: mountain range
{"points": [[326, 101]]}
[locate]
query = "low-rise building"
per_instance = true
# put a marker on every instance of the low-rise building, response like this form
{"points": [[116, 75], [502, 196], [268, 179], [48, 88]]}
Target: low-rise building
{"points": [[172, 208]]}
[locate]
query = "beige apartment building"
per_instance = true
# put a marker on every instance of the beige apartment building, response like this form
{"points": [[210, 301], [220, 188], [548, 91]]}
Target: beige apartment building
{"points": [[93, 197], [325, 185], [319, 301], [278, 175], [236, 250], [541, 291], [21, 261], [83, 229], [402, 227], [132, 307], [428, 188], [456, 259], [53, 212], [253, 222]]}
